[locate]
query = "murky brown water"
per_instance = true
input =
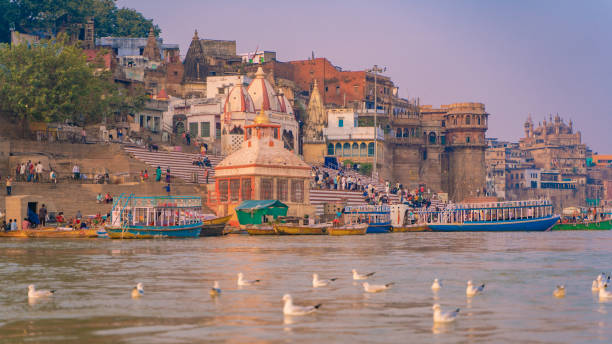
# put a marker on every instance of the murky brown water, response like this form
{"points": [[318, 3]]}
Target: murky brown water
{"points": [[94, 278]]}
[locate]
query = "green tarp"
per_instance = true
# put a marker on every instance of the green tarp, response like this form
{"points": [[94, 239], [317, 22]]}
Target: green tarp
{"points": [[252, 212]]}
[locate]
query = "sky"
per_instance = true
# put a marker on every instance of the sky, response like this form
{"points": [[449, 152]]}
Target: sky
{"points": [[518, 57]]}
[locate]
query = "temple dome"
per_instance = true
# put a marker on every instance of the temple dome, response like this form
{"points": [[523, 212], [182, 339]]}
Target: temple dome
{"points": [[284, 104], [238, 100], [262, 93]]}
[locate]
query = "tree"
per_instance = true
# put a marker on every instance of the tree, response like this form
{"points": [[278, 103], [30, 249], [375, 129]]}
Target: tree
{"points": [[52, 82]]}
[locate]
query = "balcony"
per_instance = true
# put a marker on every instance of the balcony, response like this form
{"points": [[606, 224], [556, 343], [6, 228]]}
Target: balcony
{"points": [[354, 133]]}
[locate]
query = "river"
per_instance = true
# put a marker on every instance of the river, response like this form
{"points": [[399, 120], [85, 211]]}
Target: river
{"points": [[94, 278]]}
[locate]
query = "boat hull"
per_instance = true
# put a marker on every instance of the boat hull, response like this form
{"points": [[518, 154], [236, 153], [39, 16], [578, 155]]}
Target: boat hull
{"points": [[51, 233], [526, 225], [360, 230], [589, 226], [379, 228], [261, 231], [187, 231], [299, 230], [411, 228], [214, 227]]}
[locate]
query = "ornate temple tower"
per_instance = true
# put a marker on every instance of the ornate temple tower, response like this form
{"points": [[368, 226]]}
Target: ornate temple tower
{"points": [[314, 143], [466, 125], [151, 50]]}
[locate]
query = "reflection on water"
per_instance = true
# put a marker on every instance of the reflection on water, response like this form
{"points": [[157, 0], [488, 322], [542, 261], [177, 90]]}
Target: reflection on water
{"points": [[94, 279]]}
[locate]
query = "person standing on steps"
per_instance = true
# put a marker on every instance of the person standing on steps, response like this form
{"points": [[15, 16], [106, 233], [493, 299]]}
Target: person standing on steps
{"points": [[9, 186], [158, 173], [168, 175], [42, 215]]}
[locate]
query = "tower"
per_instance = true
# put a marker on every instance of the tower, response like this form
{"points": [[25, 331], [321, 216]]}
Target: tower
{"points": [[151, 50], [316, 120], [466, 126]]}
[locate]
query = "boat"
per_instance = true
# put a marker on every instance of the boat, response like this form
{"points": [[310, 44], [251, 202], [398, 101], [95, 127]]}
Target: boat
{"points": [[52, 232], [155, 217], [576, 219], [376, 216], [359, 229], [510, 216], [405, 218], [583, 225], [214, 227], [260, 230], [290, 229]]}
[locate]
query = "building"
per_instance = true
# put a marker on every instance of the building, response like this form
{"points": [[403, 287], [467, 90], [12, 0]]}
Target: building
{"points": [[210, 57], [601, 160]]}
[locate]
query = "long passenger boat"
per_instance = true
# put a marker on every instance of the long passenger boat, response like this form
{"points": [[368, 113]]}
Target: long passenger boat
{"points": [[512, 216], [377, 217], [155, 217], [291, 229]]}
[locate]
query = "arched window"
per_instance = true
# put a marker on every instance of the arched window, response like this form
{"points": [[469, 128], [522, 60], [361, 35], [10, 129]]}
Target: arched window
{"points": [[338, 149], [467, 139], [467, 119], [405, 132], [330, 149], [398, 132], [355, 149], [371, 149], [412, 132], [425, 154], [478, 120], [346, 150], [432, 137], [363, 149]]}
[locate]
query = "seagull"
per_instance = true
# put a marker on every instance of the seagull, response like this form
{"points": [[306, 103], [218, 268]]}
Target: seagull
{"points": [[215, 290], [436, 285], [138, 291], [316, 282], [376, 288], [604, 294], [358, 276], [560, 291], [446, 317], [291, 309], [471, 290], [33, 293], [242, 282], [595, 286]]}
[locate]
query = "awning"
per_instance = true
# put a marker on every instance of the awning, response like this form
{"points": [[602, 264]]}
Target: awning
{"points": [[252, 212]]}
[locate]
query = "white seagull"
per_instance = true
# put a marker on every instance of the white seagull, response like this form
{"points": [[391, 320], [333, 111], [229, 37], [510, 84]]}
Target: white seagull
{"points": [[560, 291], [242, 282], [595, 286], [138, 291], [604, 294], [291, 309], [215, 290], [436, 285], [471, 290], [316, 282], [33, 293], [376, 288], [446, 317], [358, 276]]}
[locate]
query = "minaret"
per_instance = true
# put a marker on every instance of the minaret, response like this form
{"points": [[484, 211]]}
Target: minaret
{"points": [[151, 50]]}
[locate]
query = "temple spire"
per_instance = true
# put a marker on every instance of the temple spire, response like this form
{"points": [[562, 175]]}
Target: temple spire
{"points": [[151, 50]]}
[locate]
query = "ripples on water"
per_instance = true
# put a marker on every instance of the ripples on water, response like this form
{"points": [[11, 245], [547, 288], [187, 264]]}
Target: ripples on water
{"points": [[94, 279]]}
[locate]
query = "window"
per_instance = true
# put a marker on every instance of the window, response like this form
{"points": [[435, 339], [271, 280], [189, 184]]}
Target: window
{"points": [[355, 149], [356, 88], [340, 122], [371, 149], [246, 189], [478, 120], [205, 129], [193, 129], [297, 191], [223, 184], [398, 132], [425, 154], [326, 89], [338, 149], [412, 132], [234, 190], [346, 149], [175, 73], [363, 149], [337, 90], [405, 132], [282, 189], [330, 149], [221, 90], [432, 137], [266, 189], [444, 123], [218, 130], [467, 139], [442, 140], [467, 119]]}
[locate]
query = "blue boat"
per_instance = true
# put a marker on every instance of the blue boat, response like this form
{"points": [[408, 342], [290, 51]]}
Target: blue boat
{"points": [[513, 216], [155, 217], [378, 217]]}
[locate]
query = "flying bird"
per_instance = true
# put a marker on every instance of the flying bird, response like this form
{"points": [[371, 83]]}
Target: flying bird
{"points": [[291, 309]]}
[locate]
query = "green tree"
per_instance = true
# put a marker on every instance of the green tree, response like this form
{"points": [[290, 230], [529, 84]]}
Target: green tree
{"points": [[52, 82], [131, 23]]}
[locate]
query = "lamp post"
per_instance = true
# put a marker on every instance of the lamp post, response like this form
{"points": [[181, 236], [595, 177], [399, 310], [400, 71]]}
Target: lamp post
{"points": [[376, 70]]}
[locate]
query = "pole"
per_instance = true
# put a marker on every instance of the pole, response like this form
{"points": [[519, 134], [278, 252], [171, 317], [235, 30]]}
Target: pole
{"points": [[375, 168]]}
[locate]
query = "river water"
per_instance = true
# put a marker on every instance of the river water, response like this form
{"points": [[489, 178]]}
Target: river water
{"points": [[94, 278]]}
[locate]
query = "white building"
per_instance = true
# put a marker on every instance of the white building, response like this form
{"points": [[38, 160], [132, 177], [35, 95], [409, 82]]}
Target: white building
{"points": [[221, 85], [347, 140]]}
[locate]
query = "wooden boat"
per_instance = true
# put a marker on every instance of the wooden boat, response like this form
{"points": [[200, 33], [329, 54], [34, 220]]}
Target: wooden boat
{"points": [[287, 229], [214, 227], [155, 217], [51, 233], [348, 230], [14, 234], [417, 227], [584, 226], [260, 230]]}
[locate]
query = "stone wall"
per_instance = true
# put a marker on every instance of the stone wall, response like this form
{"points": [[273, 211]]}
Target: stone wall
{"points": [[466, 172], [560, 198]]}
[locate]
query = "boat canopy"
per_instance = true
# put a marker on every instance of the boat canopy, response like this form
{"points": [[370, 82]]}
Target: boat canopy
{"points": [[252, 212]]}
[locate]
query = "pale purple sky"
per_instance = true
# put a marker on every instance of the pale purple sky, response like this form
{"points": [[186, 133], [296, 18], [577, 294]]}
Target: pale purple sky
{"points": [[517, 57]]}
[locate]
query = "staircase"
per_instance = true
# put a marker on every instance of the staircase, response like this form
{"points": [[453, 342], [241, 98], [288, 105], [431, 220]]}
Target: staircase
{"points": [[180, 164], [318, 197]]}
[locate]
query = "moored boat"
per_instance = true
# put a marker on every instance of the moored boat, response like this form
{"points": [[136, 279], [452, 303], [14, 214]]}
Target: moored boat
{"points": [[512, 216], [348, 230], [51, 233], [155, 217], [260, 230], [417, 227], [214, 227], [406, 219], [582, 226], [288, 229], [376, 216]]}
